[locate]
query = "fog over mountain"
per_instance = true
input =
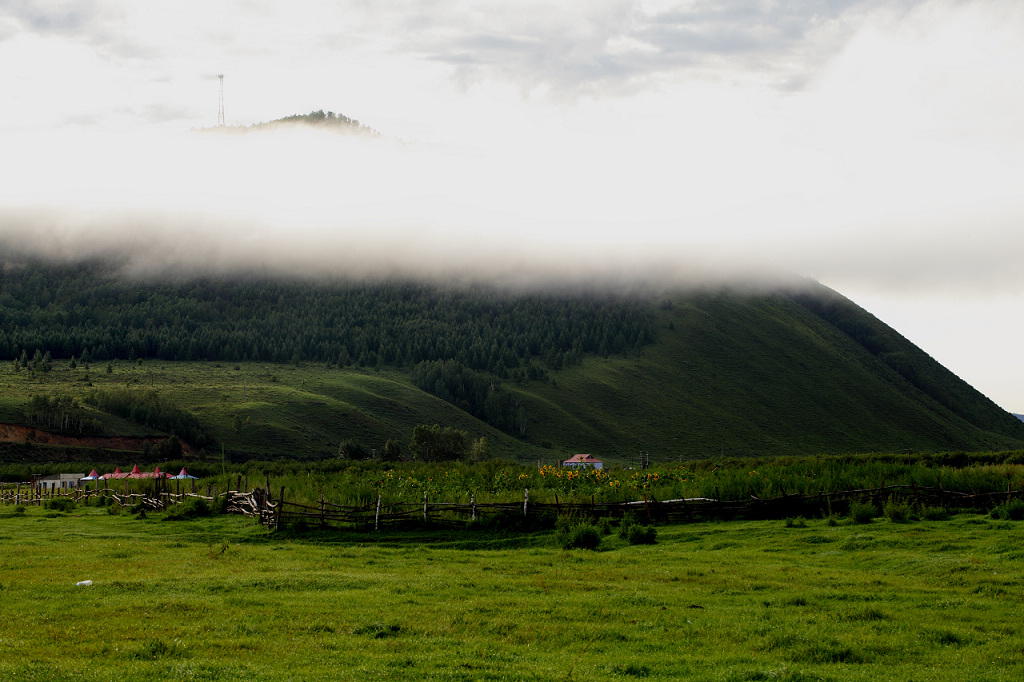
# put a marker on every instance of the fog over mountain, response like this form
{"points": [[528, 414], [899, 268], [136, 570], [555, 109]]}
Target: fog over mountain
{"points": [[873, 146]]}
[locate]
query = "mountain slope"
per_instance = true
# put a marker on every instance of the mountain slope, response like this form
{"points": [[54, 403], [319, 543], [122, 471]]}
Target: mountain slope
{"points": [[768, 374], [796, 370]]}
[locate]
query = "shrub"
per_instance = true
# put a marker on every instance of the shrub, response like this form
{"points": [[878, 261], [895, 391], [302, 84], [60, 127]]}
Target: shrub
{"points": [[798, 522], [1012, 509], [61, 504], [191, 508], [629, 521], [897, 511], [20, 509], [572, 533], [935, 513], [863, 512], [642, 535]]}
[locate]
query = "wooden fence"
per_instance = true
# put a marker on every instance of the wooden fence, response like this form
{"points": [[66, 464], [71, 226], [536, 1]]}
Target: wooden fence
{"points": [[447, 514], [255, 503], [260, 504]]}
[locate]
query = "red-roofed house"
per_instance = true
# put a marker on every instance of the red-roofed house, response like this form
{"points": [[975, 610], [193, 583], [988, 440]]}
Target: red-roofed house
{"points": [[583, 461]]}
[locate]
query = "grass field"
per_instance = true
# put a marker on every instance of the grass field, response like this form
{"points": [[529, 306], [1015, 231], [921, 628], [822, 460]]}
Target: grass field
{"points": [[221, 599]]}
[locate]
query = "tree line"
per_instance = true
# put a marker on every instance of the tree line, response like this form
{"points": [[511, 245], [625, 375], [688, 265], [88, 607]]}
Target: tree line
{"points": [[429, 443], [150, 409], [60, 414], [458, 342]]}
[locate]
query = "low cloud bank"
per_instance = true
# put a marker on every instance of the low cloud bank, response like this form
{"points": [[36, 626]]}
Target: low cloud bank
{"points": [[552, 209]]}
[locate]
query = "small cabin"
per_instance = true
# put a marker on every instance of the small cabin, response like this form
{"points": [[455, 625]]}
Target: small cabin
{"points": [[583, 461], [57, 481]]}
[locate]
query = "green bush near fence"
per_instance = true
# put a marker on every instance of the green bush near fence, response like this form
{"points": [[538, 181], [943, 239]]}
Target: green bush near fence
{"points": [[572, 532], [934, 513], [863, 512], [1012, 510], [191, 508], [61, 504], [642, 535], [897, 510]]}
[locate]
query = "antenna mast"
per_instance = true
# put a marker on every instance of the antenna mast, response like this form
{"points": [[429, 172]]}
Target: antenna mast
{"points": [[220, 108]]}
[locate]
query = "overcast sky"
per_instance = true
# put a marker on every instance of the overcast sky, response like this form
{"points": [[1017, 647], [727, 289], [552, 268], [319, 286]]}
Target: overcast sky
{"points": [[874, 146]]}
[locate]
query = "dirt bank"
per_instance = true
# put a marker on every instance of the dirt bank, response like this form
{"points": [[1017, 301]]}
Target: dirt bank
{"points": [[12, 433]]}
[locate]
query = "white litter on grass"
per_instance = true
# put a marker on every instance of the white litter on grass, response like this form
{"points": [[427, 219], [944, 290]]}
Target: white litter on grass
{"points": [[83, 583]]}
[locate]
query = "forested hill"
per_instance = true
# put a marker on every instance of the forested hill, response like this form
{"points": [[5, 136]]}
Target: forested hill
{"points": [[679, 375], [320, 119], [76, 309]]}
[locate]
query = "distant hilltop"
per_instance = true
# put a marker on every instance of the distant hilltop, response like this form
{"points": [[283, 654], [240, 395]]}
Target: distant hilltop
{"points": [[1019, 416], [320, 119]]}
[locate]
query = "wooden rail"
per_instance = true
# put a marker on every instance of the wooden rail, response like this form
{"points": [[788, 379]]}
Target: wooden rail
{"points": [[327, 515], [260, 504]]}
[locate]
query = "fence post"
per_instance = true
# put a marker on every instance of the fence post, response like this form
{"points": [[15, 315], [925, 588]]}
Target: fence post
{"points": [[238, 483], [472, 502], [323, 519], [526, 498], [280, 508], [376, 516], [424, 507]]}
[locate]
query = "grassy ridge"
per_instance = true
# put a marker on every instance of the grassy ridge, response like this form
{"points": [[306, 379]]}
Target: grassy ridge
{"points": [[263, 410], [219, 599], [759, 375]]}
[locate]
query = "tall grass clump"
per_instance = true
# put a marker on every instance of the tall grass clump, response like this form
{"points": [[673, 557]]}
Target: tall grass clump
{"points": [[863, 512], [61, 504], [897, 511], [633, 530], [1012, 510], [191, 508], [575, 533], [934, 514], [642, 535]]}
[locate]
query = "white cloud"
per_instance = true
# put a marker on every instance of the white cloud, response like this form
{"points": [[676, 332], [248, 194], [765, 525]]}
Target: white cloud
{"points": [[873, 145]]}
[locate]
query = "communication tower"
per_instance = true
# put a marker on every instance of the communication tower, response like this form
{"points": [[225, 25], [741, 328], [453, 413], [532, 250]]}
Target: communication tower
{"points": [[220, 108]]}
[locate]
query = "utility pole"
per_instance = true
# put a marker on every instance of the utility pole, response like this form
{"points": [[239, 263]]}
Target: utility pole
{"points": [[220, 107]]}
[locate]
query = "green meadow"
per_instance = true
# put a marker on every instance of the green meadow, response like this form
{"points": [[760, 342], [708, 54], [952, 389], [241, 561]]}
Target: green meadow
{"points": [[220, 598]]}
